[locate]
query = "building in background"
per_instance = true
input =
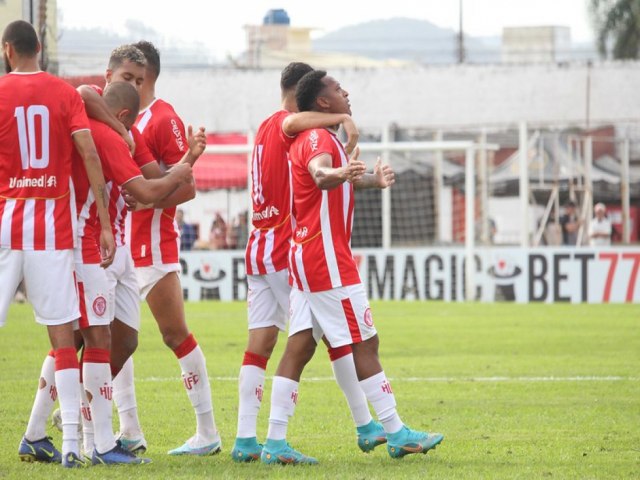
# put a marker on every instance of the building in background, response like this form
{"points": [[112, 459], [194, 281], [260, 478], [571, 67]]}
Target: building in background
{"points": [[276, 43], [43, 15], [536, 44]]}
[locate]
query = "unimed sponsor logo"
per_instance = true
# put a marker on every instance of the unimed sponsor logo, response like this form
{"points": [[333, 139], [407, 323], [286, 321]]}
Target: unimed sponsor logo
{"points": [[38, 182], [266, 213]]}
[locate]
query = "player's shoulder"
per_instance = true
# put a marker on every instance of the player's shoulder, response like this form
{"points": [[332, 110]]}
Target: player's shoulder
{"points": [[162, 108]]}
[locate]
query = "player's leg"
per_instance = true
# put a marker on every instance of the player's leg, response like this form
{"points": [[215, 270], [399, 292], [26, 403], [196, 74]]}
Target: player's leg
{"points": [[167, 306], [124, 341], [266, 317], [44, 272], [97, 305], [301, 345], [357, 327], [369, 433]]}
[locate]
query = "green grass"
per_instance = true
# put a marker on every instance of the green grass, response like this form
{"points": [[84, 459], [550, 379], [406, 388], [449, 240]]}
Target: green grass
{"points": [[520, 391]]}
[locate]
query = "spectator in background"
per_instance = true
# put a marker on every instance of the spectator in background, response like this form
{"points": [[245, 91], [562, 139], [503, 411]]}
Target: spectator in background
{"points": [[600, 227], [570, 224], [218, 233], [238, 233], [188, 231]]}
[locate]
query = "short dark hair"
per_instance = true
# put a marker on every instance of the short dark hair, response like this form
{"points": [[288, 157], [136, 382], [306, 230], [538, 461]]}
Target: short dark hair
{"points": [[123, 95], [152, 55], [292, 74], [22, 37], [126, 52], [308, 90], [570, 203]]}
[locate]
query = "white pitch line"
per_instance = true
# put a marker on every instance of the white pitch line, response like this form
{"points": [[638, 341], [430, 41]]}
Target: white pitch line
{"points": [[436, 379]]}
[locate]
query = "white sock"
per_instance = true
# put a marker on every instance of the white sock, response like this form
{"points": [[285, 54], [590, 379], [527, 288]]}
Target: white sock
{"points": [[196, 384], [43, 403], [284, 397], [68, 385], [96, 375], [124, 394], [345, 372], [250, 389], [378, 391], [88, 443]]}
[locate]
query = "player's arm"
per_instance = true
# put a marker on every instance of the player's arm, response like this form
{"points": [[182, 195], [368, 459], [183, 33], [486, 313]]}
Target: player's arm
{"points": [[185, 192], [149, 191], [87, 150], [382, 177], [299, 122], [326, 177], [97, 109]]}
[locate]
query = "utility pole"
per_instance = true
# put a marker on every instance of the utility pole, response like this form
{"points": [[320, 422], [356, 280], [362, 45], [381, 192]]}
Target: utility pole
{"points": [[461, 38], [42, 33]]}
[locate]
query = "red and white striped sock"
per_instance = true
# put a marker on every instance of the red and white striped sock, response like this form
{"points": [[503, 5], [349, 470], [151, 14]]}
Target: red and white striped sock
{"points": [[46, 396], [68, 385], [196, 383], [250, 390], [345, 372]]}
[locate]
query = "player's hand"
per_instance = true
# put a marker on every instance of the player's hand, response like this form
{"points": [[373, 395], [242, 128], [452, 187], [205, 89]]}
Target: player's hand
{"points": [[197, 141], [107, 247], [352, 135], [182, 172], [129, 141], [355, 169], [129, 200], [384, 174]]}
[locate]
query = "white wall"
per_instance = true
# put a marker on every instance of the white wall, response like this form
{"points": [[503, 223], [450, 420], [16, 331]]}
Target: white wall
{"points": [[447, 96]]}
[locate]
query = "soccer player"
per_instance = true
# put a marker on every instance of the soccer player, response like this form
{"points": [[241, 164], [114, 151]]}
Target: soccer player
{"points": [[327, 291], [266, 263], [41, 120], [128, 64], [97, 293], [155, 247]]}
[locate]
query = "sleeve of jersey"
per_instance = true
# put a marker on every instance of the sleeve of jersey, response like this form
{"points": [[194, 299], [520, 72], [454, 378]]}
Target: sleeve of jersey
{"points": [[117, 162], [172, 141], [142, 155], [286, 139], [78, 119], [317, 142]]}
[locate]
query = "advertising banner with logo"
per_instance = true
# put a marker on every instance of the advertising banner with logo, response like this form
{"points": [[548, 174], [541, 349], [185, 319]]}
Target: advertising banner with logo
{"points": [[576, 275]]}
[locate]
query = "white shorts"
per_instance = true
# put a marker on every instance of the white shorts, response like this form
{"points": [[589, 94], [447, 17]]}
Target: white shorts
{"points": [[149, 276], [48, 280], [342, 314], [268, 300], [124, 283], [95, 295]]}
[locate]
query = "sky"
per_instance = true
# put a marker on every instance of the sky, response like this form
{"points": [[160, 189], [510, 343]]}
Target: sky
{"points": [[219, 24]]}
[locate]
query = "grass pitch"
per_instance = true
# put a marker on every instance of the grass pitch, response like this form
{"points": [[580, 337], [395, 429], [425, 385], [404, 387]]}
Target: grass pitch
{"points": [[519, 391]]}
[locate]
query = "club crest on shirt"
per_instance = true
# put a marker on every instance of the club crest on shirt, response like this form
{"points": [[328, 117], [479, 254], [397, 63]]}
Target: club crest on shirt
{"points": [[99, 305], [301, 233], [313, 140], [368, 318]]}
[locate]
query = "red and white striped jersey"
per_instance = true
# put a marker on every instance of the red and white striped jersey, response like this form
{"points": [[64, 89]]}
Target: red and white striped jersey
{"points": [[320, 258], [269, 242], [118, 168], [117, 205], [39, 114], [154, 234]]}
